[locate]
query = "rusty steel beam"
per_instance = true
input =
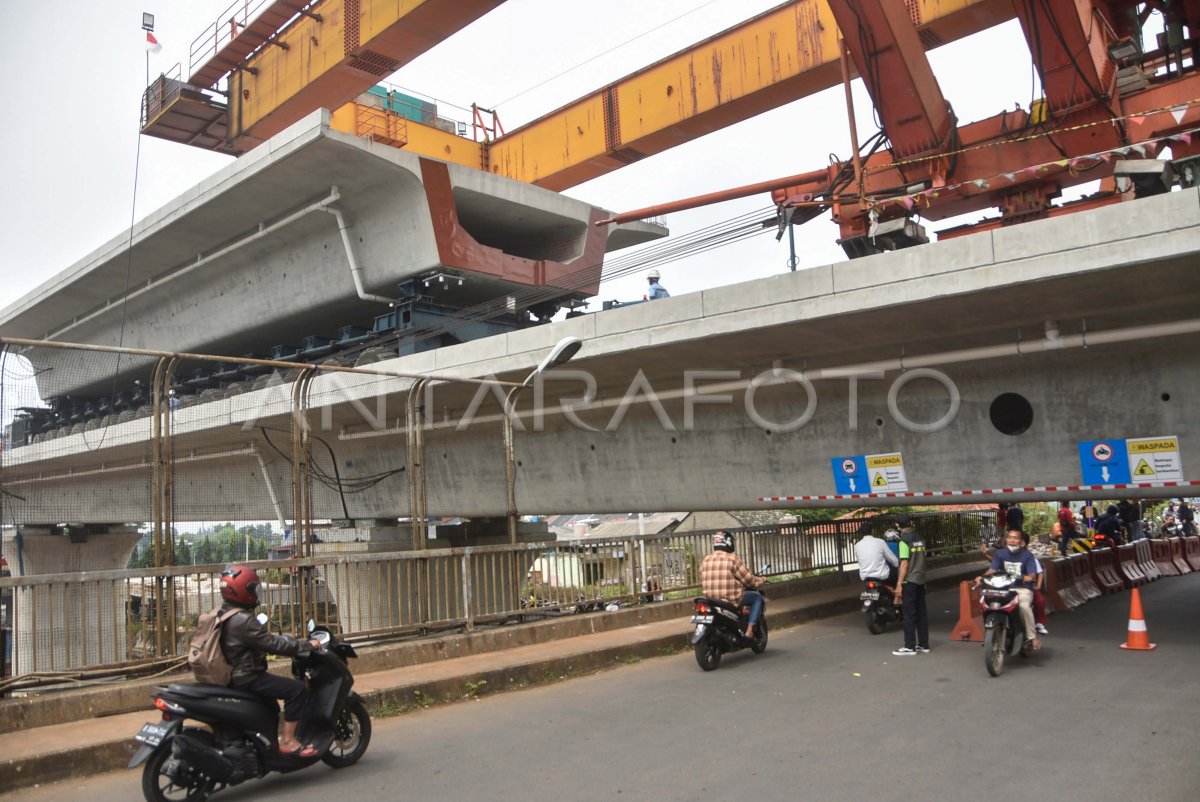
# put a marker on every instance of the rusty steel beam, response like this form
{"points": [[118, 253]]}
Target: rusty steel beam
{"points": [[333, 58], [779, 56], [987, 152], [887, 50], [1068, 40]]}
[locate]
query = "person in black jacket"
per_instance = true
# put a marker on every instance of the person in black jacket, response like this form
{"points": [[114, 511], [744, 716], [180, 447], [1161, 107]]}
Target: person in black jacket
{"points": [[1110, 524], [246, 642], [1186, 517], [1131, 518], [1016, 518]]}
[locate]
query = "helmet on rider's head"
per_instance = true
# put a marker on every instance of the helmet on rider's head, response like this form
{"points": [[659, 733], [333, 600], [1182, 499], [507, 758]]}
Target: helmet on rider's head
{"points": [[654, 274], [722, 541], [1112, 509], [903, 521], [239, 585]]}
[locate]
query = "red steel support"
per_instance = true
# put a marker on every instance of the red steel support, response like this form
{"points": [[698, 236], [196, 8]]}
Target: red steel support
{"points": [[883, 42], [1068, 40]]}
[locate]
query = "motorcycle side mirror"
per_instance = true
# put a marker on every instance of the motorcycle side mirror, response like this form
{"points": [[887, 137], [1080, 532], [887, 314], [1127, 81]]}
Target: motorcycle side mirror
{"points": [[311, 626], [262, 618]]}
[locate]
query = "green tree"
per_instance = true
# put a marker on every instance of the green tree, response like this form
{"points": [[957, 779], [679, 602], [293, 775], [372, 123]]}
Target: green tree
{"points": [[205, 551]]}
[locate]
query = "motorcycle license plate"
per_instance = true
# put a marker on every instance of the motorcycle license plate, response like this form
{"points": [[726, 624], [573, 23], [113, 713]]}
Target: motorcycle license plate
{"points": [[995, 594], [702, 619], [870, 595], [152, 734]]}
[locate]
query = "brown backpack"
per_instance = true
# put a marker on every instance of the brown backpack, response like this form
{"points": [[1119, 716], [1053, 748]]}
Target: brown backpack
{"points": [[205, 657]]}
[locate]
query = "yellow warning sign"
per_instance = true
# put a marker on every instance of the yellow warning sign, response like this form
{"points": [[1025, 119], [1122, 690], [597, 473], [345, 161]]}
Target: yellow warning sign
{"points": [[1153, 445], [885, 473], [1155, 459]]}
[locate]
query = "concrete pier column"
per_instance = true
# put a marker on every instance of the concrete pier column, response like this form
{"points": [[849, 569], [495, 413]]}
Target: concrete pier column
{"points": [[69, 625], [386, 593], [373, 594]]}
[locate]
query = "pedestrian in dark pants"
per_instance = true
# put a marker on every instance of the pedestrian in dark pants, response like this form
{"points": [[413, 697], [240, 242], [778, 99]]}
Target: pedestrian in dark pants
{"points": [[1067, 521], [1130, 517], [1016, 518], [910, 590], [1187, 518]]}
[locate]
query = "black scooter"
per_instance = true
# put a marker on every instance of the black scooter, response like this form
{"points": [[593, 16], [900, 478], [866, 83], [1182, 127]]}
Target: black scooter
{"points": [[720, 627], [879, 605], [190, 763]]}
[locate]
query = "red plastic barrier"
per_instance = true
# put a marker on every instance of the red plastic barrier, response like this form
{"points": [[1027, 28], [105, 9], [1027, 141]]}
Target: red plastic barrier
{"points": [[1191, 552], [1060, 591], [1177, 556], [1100, 563], [1113, 568], [970, 617], [1085, 586], [1075, 594], [1126, 563], [1162, 558], [1145, 558]]}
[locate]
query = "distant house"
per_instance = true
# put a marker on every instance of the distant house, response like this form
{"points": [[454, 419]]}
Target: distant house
{"points": [[579, 564]]}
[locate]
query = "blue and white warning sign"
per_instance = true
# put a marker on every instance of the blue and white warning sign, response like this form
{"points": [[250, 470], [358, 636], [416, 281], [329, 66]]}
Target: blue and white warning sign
{"points": [[1128, 460], [869, 473]]}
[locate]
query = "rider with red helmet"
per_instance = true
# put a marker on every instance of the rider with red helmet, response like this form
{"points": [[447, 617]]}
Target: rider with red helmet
{"points": [[246, 642]]}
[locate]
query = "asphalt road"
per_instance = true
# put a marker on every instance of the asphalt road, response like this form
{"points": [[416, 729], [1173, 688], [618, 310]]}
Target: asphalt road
{"points": [[827, 713]]}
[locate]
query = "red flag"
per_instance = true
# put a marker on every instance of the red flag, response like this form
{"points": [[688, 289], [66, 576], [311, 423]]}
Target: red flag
{"points": [[152, 45]]}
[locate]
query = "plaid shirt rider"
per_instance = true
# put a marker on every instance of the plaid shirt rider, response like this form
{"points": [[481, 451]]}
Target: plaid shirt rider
{"points": [[724, 576]]}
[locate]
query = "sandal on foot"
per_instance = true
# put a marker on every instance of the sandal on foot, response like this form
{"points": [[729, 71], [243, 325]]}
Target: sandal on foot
{"points": [[307, 751]]}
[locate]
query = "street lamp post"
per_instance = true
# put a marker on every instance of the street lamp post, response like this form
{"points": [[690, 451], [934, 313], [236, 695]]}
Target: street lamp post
{"points": [[566, 348]]}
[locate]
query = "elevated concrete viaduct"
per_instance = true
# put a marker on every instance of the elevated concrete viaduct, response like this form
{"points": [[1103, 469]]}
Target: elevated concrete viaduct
{"points": [[1043, 336], [311, 231]]}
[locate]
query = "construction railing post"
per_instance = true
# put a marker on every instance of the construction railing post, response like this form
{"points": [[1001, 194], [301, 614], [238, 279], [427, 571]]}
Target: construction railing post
{"points": [[468, 590]]}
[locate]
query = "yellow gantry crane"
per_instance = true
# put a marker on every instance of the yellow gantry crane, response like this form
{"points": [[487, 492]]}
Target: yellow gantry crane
{"points": [[287, 58]]}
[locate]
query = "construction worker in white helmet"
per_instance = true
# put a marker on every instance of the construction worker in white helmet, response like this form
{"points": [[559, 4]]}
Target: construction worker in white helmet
{"points": [[656, 290]]}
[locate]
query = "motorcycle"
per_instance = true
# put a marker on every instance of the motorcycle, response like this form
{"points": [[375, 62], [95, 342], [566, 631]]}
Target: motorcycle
{"points": [[1002, 622], [879, 606], [240, 742], [720, 628], [1172, 527]]}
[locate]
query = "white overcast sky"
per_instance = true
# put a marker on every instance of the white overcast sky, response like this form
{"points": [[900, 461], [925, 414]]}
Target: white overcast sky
{"points": [[72, 72]]}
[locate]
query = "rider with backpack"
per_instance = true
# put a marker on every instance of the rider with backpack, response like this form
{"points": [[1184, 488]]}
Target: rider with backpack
{"points": [[246, 642]]}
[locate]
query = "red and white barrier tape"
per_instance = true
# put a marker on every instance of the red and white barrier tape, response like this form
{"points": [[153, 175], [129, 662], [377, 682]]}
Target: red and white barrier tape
{"points": [[985, 492]]}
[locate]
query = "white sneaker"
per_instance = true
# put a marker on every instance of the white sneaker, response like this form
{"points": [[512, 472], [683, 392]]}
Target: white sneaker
{"points": [[904, 651], [1041, 629]]}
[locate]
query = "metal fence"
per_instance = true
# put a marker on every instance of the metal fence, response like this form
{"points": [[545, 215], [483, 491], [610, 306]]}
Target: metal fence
{"points": [[109, 622]]}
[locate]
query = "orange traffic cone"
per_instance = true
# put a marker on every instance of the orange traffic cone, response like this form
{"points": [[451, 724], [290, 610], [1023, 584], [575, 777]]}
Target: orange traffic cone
{"points": [[1138, 638]]}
